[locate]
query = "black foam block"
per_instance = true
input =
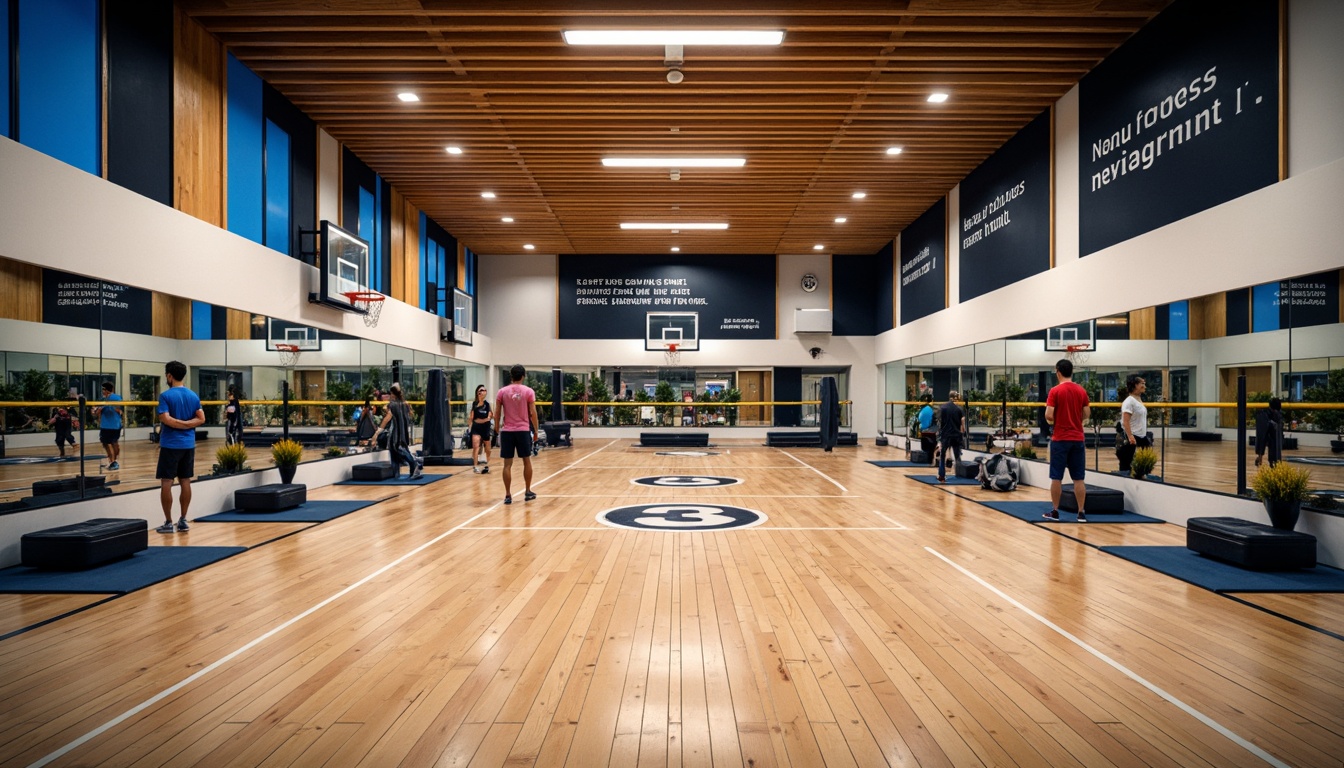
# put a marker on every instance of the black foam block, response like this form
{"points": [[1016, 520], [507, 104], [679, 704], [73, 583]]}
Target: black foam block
{"points": [[1250, 545], [374, 470], [84, 545], [1099, 500], [270, 498]]}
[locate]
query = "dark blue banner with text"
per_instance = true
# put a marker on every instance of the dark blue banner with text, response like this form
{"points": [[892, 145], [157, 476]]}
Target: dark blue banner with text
{"points": [[924, 264]]}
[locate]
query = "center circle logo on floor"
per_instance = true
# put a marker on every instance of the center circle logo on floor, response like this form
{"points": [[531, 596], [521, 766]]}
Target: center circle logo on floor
{"points": [[680, 517], [686, 481]]}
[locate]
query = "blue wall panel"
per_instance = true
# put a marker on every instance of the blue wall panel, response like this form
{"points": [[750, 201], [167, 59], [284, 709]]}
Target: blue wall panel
{"points": [[1178, 323], [277, 188], [5, 90], [202, 320], [59, 84], [245, 152], [1265, 307]]}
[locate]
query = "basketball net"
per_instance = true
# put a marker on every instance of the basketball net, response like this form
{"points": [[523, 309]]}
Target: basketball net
{"points": [[672, 355], [289, 354], [371, 303], [1077, 354]]}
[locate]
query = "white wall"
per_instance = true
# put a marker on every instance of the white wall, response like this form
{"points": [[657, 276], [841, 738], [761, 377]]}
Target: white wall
{"points": [[1316, 103]]}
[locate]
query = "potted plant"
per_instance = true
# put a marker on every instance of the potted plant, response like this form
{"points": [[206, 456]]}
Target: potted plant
{"points": [[1332, 391], [286, 455], [230, 460], [1282, 488], [1142, 463], [1025, 451], [334, 452]]}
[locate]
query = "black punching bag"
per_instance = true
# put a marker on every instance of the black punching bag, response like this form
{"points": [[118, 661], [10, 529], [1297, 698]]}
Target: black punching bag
{"points": [[829, 415], [438, 442], [557, 394]]}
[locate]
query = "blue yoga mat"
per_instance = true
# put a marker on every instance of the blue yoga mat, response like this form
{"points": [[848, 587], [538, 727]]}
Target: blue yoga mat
{"points": [[888, 464], [400, 480], [311, 512], [149, 566], [1032, 512], [951, 480], [1218, 576]]}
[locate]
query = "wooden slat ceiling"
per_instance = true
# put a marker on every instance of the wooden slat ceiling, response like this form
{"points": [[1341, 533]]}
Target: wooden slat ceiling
{"points": [[534, 116]]}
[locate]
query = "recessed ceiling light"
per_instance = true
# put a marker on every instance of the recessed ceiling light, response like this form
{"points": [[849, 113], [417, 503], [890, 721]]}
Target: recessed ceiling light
{"points": [[407, 96], [674, 162], [818, 247], [676, 249], [673, 36], [937, 98], [529, 247], [840, 219], [488, 195], [454, 150], [894, 150], [507, 219], [859, 195], [672, 226]]}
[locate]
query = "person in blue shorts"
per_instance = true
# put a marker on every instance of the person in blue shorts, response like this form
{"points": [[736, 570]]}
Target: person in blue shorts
{"points": [[179, 415], [109, 425], [1067, 407]]}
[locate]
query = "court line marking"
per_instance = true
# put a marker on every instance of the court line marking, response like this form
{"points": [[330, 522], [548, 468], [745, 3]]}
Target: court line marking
{"points": [[172, 689], [665, 468], [670, 530], [814, 469], [1131, 674], [700, 496], [893, 522]]}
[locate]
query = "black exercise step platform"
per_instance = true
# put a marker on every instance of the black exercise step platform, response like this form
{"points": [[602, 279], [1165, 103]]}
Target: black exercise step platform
{"points": [[847, 438], [1202, 437], [1250, 545], [84, 545], [373, 471], [968, 470], [1289, 443], [675, 439], [557, 433], [63, 497], [270, 498], [793, 439], [1100, 501], [306, 436], [44, 487]]}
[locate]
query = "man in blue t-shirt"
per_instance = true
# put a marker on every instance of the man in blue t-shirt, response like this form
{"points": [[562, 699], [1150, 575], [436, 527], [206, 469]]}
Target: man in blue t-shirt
{"points": [[928, 438], [109, 425], [180, 414]]}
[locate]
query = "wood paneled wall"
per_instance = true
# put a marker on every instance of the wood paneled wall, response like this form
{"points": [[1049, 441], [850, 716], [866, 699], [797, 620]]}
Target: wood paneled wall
{"points": [[1208, 316], [172, 316], [410, 217], [237, 325], [1143, 324], [198, 121], [20, 291]]}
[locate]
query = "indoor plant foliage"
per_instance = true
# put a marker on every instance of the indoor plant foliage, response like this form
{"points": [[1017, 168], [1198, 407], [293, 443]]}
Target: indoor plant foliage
{"points": [[1025, 451], [286, 455], [1282, 487], [1141, 465], [230, 459]]}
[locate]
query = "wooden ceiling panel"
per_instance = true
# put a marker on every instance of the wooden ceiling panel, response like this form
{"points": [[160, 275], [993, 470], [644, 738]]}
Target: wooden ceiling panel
{"points": [[813, 117]]}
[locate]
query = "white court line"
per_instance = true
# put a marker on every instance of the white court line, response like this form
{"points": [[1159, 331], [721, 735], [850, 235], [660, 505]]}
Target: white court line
{"points": [[703, 496], [814, 469], [664, 468], [169, 691], [889, 520], [670, 530], [1189, 710]]}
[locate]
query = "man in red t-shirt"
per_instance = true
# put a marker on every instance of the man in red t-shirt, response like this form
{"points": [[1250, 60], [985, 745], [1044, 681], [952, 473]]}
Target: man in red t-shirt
{"points": [[515, 407], [1067, 407]]}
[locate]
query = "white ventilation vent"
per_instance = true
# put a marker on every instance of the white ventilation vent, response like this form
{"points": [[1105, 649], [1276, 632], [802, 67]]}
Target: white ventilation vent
{"points": [[812, 320]]}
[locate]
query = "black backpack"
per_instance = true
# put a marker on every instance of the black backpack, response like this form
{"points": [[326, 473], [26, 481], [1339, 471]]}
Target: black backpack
{"points": [[998, 473]]}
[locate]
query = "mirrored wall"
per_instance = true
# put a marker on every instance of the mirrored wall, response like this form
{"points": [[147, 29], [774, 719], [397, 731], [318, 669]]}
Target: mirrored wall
{"points": [[1286, 339]]}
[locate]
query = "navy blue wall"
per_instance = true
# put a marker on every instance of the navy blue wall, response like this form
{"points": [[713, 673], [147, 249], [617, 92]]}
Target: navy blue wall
{"points": [[858, 283], [140, 96], [788, 388], [924, 264]]}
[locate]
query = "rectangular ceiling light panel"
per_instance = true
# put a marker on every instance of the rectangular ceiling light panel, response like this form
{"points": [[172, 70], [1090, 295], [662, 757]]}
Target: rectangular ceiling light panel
{"points": [[674, 162], [673, 36]]}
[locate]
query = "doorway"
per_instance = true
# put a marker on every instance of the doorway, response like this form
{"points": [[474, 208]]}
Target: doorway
{"points": [[1259, 378], [755, 386]]}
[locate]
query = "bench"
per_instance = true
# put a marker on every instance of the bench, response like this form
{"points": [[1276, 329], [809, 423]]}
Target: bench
{"points": [[84, 545], [674, 439], [1202, 437], [373, 471], [1100, 501], [44, 487], [1250, 545], [270, 498], [1289, 443]]}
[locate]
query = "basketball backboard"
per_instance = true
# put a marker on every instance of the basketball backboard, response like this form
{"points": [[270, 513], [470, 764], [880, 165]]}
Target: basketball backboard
{"points": [[680, 328], [343, 267], [1061, 337], [284, 332], [462, 317]]}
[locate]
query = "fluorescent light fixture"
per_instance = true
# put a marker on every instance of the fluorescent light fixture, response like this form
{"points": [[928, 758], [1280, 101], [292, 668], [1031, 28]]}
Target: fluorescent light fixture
{"points": [[454, 150], [674, 162], [673, 226], [894, 150], [937, 98], [507, 219], [407, 96], [529, 247], [488, 195], [818, 247], [840, 219], [859, 195], [673, 36], [676, 249]]}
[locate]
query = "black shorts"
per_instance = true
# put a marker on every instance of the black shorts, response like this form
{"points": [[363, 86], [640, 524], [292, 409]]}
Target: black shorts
{"points": [[109, 436], [521, 442], [176, 463], [65, 437], [483, 430]]}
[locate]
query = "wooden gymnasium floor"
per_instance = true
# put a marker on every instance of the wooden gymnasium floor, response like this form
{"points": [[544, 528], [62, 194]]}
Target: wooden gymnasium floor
{"points": [[871, 621]]}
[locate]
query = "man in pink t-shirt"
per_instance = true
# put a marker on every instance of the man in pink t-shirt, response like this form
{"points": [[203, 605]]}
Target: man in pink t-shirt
{"points": [[515, 405], [1067, 407]]}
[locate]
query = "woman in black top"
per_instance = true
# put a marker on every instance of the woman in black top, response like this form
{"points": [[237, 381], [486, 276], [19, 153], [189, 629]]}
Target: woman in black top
{"points": [[399, 434], [481, 417], [233, 419]]}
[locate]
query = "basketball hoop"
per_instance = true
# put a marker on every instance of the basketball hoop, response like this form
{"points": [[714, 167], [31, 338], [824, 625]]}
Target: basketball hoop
{"points": [[369, 302], [1077, 354], [671, 355], [289, 354]]}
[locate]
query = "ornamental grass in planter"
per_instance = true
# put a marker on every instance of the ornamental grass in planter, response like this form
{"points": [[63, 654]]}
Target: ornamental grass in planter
{"points": [[1142, 463], [286, 455], [1282, 488], [230, 460]]}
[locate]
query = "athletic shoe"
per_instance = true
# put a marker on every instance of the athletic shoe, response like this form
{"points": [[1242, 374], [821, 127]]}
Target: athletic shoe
{"points": [[476, 470], [165, 528], [942, 479], [528, 496], [182, 526], [1082, 516], [508, 499], [113, 465], [1051, 515], [485, 470]]}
